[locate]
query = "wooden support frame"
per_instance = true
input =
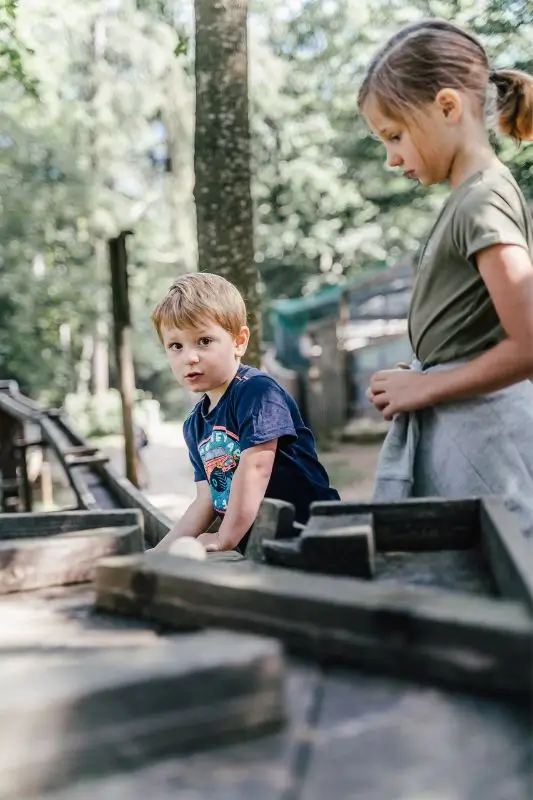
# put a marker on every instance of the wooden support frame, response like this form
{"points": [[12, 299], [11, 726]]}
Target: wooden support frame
{"points": [[482, 642], [69, 718], [48, 523]]}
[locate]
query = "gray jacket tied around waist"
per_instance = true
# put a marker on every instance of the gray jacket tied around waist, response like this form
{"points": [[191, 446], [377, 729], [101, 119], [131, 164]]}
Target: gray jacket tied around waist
{"points": [[481, 446]]}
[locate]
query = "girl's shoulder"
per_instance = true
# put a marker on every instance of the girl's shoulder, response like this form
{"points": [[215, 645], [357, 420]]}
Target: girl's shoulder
{"points": [[495, 186], [491, 210]]}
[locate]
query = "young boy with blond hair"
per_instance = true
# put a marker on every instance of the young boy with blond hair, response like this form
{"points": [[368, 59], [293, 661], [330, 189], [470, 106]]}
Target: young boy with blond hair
{"points": [[246, 437]]}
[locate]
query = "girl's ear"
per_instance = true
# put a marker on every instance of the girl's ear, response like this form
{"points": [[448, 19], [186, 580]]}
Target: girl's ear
{"points": [[450, 104]]}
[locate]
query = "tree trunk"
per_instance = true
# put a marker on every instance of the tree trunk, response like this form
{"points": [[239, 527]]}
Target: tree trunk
{"points": [[222, 191]]}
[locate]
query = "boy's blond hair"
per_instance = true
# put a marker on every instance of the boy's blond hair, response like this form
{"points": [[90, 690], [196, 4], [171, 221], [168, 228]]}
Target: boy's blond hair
{"points": [[198, 296]]}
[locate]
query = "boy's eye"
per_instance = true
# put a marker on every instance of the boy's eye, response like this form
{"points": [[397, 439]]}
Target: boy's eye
{"points": [[204, 341], [174, 346]]}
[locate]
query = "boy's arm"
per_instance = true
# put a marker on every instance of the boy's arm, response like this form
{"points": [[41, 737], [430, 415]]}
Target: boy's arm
{"points": [[248, 489], [196, 519]]}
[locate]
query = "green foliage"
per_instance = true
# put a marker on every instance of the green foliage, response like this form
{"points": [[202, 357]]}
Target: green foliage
{"points": [[116, 110], [84, 163], [13, 50]]}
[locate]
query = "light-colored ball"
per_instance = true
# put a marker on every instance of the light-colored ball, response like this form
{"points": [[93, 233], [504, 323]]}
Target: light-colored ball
{"points": [[187, 547]]}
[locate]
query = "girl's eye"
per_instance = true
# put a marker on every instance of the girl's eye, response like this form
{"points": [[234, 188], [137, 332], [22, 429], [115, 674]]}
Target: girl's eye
{"points": [[205, 340], [395, 138]]}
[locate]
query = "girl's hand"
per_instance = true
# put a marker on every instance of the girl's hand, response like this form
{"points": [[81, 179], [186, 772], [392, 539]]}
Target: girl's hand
{"points": [[395, 390]]}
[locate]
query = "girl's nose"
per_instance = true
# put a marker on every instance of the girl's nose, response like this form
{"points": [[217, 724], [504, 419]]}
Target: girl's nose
{"points": [[394, 160]]}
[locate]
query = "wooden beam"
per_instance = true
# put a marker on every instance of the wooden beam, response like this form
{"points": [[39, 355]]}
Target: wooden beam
{"points": [[508, 552], [460, 639], [274, 521], [35, 563], [41, 524], [68, 718], [122, 330], [414, 524], [86, 461]]}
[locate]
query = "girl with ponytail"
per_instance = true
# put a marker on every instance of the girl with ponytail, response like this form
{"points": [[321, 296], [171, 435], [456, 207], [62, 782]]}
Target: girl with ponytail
{"points": [[463, 412]]}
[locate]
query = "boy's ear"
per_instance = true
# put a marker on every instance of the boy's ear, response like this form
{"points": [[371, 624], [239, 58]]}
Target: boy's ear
{"points": [[241, 341]]}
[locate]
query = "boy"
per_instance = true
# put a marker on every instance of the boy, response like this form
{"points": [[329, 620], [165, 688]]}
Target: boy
{"points": [[245, 436]]}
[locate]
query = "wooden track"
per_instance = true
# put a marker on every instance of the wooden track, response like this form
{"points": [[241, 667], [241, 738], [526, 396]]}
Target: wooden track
{"points": [[352, 732], [95, 484], [349, 734]]}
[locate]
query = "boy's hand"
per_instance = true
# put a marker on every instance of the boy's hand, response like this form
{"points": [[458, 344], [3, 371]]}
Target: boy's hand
{"points": [[210, 541]]}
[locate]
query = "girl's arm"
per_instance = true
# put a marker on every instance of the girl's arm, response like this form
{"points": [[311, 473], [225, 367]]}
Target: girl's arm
{"points": [[508, 274]]}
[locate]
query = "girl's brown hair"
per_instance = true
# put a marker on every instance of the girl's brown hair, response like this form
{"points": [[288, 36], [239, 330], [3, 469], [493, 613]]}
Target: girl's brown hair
{"points": [[423, 58]]}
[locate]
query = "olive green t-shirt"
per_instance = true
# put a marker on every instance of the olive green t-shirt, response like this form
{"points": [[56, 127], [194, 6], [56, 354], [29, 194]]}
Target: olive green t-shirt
{"points": [[452, 316]]}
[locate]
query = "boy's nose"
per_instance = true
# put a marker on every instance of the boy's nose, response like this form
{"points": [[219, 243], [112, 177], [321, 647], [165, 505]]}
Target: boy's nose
{"points": [[192, 357]]}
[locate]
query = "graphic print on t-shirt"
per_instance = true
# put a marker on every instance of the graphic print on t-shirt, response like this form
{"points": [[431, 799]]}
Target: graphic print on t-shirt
{"points": [[220, 454]]}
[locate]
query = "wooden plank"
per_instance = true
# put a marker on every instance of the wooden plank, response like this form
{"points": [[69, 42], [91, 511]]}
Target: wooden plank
{"points": [[454, 570], [413, 524], [380, 739], [20, 525], [343, 550], [32, 563], [481, 643], [63, 620], [508, 552], [326, 548], [258, 769], [86, 461], [84, 496], [81, 450], [274, 521], [64, 718]]}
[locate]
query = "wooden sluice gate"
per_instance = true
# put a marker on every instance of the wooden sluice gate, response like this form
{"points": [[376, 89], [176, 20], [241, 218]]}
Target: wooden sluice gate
{"points": [[383, 652]]}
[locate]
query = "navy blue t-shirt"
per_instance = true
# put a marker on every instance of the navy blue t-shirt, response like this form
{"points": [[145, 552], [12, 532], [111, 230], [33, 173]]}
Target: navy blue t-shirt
{"points": [[253, 410]]}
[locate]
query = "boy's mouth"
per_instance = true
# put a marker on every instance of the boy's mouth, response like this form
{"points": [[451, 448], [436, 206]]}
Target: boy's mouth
{"points": [[193, 374]]}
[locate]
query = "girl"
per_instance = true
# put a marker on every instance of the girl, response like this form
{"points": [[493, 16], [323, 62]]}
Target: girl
{"points": [[470, 430]]}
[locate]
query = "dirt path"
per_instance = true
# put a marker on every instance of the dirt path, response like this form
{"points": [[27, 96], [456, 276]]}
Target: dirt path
{"points": [[171, 488]]}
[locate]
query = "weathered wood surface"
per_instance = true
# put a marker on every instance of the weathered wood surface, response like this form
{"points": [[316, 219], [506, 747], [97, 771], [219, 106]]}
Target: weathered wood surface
{"points": [[274, 521], [379, 739], [414, 524], [349, 734], [329, 547], [508, 552], [64, 717], [442, 636], [21, 525], [454, 570], [53, 560]]}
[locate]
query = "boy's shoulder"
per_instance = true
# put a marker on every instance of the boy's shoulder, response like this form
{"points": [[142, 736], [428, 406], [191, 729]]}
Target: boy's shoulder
{"points": [[193, 415], [253, 380]]}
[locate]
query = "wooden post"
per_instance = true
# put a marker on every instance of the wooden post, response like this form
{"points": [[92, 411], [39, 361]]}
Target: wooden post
{"points": [[118, 262], [47, 487], [9, 430], [21, 446]]}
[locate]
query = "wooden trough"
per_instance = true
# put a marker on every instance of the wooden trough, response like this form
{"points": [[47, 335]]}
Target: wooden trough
{"points": [[382, 652]]}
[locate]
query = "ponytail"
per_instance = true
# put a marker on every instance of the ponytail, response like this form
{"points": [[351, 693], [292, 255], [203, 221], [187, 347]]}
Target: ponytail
{"points": [[514, 103]]}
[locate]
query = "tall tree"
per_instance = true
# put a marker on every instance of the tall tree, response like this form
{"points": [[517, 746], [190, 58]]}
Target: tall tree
{"points": [[224, 211]]}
